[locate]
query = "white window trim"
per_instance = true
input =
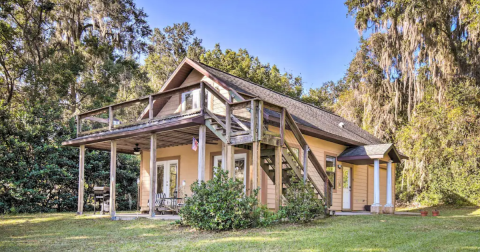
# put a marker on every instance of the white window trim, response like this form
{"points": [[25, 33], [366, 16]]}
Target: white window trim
{"points": [[165, 165], [236, 156], [196, 100]]}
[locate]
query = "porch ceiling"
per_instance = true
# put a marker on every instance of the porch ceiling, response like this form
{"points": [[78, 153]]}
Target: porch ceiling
{"points": [[170, 138]]}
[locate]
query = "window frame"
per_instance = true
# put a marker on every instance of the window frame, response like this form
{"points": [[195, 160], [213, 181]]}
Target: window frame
{"points": [[195, 100], [334, 182]]}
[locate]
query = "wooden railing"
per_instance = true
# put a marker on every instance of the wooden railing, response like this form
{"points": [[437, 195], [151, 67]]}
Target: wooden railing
{"points": [[146, 115], [286, 119], [248, 122], [245, 123]]}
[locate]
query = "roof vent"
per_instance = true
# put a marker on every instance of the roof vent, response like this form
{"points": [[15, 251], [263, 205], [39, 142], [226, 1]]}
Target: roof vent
{"points": [[341, 124]]}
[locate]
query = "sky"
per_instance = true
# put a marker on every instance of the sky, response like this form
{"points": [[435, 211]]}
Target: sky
{"points": [[313, 39]]}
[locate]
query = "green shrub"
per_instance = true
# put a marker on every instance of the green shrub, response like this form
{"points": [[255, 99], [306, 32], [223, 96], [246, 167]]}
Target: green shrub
{"points": [[221, 204], [302, 204]]}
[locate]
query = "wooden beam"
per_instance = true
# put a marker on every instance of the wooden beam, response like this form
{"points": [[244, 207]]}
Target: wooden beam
{"points": [[224, 156], [253, 119], [113, 177], [260, 121], [202, 98], [295, 130], [153, 173], [110, 118], [257, 169], [228, 119], [202, 131], [217, 94], [94, 112], [272, 107], [187, 122], [305, 162], [282, 126], [150, 107], [81, 179], [278, 177], [240, 104], [230, 160], [79, 125]]}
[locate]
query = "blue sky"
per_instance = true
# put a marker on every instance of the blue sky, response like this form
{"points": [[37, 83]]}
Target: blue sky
{"points": [[314, 39]]}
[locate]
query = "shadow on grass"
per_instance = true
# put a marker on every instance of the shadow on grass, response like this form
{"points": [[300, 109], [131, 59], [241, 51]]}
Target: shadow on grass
{"points": [[47, 232]]}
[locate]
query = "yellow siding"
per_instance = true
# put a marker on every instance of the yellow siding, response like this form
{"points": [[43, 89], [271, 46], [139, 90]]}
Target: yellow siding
{"points": [[174, 103], [188, 167], [320, 148], [362, 180], [359, 189]]}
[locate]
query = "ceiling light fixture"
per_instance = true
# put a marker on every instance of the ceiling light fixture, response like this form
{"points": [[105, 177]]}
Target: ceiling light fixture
{"points": [[136, 150]]}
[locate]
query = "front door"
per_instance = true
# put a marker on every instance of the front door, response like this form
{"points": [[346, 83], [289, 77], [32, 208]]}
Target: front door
{"points": [[240, 166], [347, 188], [167, 178]]}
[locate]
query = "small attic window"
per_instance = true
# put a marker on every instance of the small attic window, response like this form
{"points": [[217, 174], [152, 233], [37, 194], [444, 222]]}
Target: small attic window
{"points": [[191, 100], [341, 124]]}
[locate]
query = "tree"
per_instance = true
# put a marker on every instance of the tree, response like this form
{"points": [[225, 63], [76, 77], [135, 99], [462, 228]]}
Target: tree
{"points": [[414, 82], [325, 96], [58, 58], [168, 49], [245, 66], [88, 46]]}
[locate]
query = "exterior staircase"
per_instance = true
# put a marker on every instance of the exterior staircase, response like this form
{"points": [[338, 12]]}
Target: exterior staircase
{"points": [[243, 130]]}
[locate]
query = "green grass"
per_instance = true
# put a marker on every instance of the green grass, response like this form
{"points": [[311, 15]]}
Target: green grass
{"points": [[455, 229]]}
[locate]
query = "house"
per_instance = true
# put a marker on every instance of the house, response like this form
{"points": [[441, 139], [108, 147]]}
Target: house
{"points": [[257, 134]]}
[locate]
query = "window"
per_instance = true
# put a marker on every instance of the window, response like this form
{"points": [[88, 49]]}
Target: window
{"points": [[331, 169], [191, 100], [240, 166]]}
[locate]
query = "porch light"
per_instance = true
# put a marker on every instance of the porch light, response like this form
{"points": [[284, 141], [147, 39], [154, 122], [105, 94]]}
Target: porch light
{"points": [[136, 150]]}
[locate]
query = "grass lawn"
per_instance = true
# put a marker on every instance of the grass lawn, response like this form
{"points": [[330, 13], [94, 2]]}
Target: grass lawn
{"points": [[455, 229]]}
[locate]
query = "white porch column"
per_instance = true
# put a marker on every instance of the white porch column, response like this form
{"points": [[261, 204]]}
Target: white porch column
{"points": [[376, 207], [202, 134], [153, 173], [81, 179], [389, 208], [113, 176]]}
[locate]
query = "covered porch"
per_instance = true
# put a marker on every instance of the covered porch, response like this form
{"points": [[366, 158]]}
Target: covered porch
{"points": [[373, 161], [218, 130]]}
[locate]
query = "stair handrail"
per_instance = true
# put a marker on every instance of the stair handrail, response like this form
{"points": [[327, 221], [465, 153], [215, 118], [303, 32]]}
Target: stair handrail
{"points": [[308, 176]]}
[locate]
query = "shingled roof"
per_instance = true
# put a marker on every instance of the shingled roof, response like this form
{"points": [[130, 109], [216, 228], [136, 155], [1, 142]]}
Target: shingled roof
{"points": [[328, 124]]}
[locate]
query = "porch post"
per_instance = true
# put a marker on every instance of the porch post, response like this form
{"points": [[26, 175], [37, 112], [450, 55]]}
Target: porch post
{"points": [[224, 156], [376, 207], [202, 131], [278, 177], [81, 179], [256, 168], [153, 173], [389, 208], [230, 160], [113, 176]]}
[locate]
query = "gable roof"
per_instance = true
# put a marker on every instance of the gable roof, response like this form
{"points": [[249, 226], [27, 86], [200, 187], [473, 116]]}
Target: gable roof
{"points": [[325, 123]]}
